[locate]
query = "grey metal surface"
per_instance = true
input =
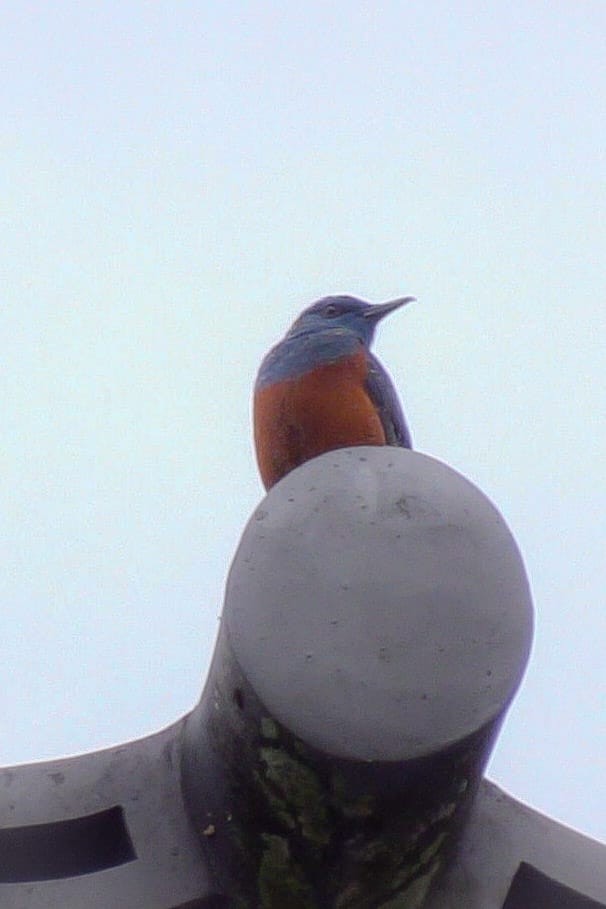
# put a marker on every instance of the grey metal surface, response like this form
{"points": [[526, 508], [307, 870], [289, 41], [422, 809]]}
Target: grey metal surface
{"points": [[378, 605], [503, 835], [141, 777]]}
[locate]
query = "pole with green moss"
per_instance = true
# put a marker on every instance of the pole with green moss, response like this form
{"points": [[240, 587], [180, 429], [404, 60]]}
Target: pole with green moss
{"points": [[376, 626]]}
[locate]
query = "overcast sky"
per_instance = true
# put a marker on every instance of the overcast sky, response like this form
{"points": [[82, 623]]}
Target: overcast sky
{"points": [[178, 180]]}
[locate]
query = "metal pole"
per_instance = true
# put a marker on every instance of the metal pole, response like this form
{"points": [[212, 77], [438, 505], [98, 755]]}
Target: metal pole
{"points": [[377, 623]]}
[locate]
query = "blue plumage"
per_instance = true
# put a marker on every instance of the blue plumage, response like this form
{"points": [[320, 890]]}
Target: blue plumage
{"points": [[385, 397]]}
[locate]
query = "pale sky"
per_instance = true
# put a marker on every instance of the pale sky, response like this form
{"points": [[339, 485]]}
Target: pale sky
{"points": [[177, 181]]}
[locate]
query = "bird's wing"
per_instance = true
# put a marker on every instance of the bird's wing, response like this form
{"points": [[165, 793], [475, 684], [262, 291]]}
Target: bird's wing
{"points": [[385, 399]]}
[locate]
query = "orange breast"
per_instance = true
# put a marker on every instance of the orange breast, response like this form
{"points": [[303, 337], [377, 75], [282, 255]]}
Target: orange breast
{"points": [[324, 409]]}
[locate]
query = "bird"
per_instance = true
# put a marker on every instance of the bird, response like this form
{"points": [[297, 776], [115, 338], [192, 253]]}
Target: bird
{"points": [[321, 388]]}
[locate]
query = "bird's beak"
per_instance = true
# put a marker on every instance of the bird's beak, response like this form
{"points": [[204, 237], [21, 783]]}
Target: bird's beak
{"points": [[375, 313]]}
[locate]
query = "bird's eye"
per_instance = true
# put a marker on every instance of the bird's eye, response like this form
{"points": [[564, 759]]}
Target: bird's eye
{"points": [[331, 309]]}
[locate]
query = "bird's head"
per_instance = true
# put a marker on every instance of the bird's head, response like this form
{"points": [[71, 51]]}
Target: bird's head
{"points": [[344, 314]]}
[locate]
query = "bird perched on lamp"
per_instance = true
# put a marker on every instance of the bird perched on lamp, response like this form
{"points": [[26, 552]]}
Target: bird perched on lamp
{"points": [[322, 388]]}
